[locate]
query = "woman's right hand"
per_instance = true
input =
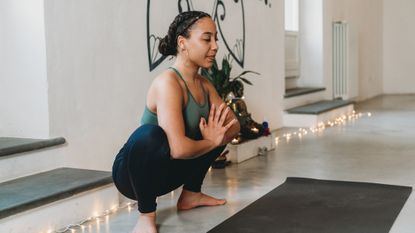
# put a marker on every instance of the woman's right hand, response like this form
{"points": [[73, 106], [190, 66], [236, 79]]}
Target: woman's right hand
{"points": [[214, 130]]}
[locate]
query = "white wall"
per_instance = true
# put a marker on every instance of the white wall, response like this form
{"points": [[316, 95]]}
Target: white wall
{"points": [[23, 81], [98, 71], [365, 22], [311, 43], [265, 54], [399, 46], [365, 43]]}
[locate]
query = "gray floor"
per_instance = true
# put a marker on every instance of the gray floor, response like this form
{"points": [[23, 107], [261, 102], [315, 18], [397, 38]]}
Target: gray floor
{"points": [[377, 149]]}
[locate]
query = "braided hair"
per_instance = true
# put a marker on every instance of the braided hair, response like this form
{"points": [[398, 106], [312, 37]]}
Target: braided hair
{"points": [[179, 27]]}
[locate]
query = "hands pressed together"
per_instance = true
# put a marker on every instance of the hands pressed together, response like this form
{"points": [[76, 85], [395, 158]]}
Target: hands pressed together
{"points": [[214, 130]]}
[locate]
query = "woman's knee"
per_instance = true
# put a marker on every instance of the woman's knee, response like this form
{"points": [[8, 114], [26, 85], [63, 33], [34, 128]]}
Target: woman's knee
{"points": [[149, 135], [157, 134], [151, 140]]}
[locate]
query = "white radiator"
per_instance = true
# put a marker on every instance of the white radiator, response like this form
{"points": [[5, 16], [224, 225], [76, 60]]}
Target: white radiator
{"points": [[341, 80]]}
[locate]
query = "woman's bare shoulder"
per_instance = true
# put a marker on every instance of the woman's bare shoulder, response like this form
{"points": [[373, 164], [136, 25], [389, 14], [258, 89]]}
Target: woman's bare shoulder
{"points": [[166, 79], [165, 87]]}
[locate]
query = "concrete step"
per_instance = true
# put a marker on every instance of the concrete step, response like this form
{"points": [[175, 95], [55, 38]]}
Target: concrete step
{"points": [[53, 199], [298, 91], [21, 157], [10, 146], [311, 115], [303, 96]]}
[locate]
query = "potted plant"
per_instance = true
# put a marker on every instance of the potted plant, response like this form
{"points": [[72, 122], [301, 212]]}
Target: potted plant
{"points": [[224, 83], [231, 90]]}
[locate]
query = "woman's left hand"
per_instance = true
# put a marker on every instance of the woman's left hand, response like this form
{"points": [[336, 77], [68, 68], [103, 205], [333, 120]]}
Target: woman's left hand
{"points": [[214, 130]]}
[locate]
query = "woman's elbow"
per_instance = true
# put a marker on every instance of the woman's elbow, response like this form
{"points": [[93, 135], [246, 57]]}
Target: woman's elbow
{"points": [[178, 149], [176, 153], [177, 146]]}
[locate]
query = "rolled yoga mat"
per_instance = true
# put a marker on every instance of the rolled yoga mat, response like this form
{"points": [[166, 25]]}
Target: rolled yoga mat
{"points": [[302, 205]]}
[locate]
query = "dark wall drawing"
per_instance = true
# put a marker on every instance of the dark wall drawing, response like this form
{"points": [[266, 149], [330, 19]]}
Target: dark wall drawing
{"points": [[231, 28]]}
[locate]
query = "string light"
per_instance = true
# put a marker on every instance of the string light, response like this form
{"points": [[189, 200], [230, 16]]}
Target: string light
{"points": [[96, 218], [321, 126], [342, 120]]}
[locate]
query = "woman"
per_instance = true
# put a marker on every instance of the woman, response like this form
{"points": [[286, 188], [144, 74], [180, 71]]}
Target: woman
{"points": [[185, 125]]}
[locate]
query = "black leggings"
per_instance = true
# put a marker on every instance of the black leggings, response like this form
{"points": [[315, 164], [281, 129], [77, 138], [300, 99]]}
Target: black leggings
{"points": [[144, 170]]}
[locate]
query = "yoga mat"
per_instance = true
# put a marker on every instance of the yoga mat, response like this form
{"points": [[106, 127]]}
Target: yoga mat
{"points": [[302, 205]]}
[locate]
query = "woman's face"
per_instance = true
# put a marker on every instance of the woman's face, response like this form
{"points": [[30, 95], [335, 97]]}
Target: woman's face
{"points": [[202, 44]]}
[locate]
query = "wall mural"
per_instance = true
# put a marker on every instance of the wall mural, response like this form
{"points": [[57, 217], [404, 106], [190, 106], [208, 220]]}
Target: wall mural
{"points": [[231, 27]]}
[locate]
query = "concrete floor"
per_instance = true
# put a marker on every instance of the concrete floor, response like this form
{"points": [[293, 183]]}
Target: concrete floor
{"points": [[379, 149]]}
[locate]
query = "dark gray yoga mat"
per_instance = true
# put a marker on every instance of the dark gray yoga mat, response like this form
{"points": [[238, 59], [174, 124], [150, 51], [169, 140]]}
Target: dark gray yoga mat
{"points": [[303, 205]]}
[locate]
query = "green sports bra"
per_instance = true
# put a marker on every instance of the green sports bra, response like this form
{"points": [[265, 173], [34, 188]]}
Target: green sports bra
{"points": [[192, 113]]}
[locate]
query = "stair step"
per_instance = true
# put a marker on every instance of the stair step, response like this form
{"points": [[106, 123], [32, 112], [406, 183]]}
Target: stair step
{"points": [[311, 115], [29, 192], [319, 107], [9, 145], [292, 92]]}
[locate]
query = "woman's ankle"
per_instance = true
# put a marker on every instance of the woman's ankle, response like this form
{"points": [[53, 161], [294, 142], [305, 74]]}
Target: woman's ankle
{"points": [[186, 191], [150, 214]]}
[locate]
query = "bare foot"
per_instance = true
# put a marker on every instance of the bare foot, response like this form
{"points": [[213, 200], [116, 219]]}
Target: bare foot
{"points": [[189, 200], [146, 223]]}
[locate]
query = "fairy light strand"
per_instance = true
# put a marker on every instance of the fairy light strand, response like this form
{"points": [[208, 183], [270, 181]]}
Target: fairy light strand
{"points": [[321, 126], [94, 219]]}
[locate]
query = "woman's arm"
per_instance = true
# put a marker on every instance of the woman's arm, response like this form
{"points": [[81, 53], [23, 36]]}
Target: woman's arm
{"points": [[169, 96], [217, 101]]}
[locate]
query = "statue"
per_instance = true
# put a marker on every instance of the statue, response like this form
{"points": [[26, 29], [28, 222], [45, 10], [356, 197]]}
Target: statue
{"points": [[249, 128]]}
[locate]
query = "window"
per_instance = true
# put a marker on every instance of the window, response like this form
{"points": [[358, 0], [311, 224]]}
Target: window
{"points": [[291, 15]]}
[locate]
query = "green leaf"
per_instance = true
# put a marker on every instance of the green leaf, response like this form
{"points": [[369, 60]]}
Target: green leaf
{"points": [[221, 80], [226, 67], [214, 67], [245, 80], [247, 72]]}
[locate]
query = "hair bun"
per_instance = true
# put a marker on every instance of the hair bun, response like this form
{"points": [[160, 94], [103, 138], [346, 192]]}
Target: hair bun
{"points": [[165, 47]]}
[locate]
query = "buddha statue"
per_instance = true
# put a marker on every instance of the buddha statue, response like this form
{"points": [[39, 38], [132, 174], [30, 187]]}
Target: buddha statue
{"points": [[249, 128]]}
